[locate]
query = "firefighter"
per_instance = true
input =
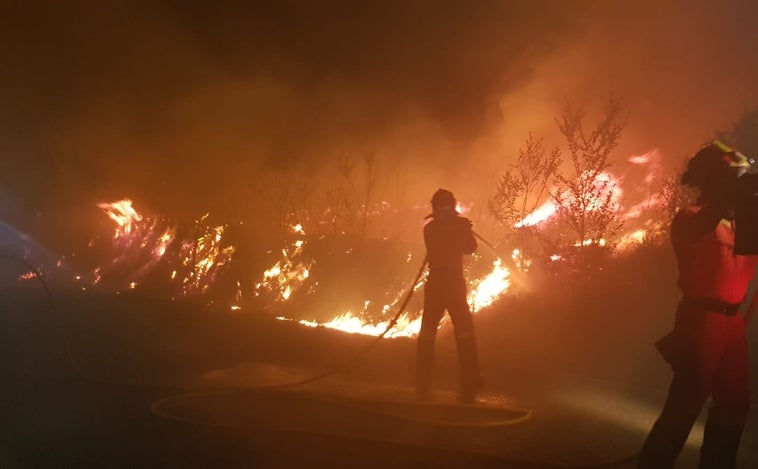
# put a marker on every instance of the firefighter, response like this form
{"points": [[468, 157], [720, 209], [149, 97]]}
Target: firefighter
{"points": [[707, 349], [448, 236]]}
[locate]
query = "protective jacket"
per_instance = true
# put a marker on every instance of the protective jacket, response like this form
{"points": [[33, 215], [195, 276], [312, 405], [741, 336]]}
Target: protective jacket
{"points": [[708, 267], [448, 237], [707, 349]]}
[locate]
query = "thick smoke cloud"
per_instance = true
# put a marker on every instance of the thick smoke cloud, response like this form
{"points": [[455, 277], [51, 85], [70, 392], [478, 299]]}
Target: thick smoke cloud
{"points": [[181, 105]]}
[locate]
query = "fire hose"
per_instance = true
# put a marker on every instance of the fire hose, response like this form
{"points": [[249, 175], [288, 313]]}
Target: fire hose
{"points": [[344, 365], [487, 243], [156, 408], [508, 418]]}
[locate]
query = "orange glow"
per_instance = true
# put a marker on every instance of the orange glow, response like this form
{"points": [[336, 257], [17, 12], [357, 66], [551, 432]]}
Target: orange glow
{"points": [[540, 214], [605, 184], [123, 214], [153, 241], [348, 322], [632, 239], [28, 275], [203, 258], [288, 274], [521, 262], [483, 292], [486, 290]]}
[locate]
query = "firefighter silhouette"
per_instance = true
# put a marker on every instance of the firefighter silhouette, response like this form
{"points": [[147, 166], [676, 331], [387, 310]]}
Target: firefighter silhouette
{"points": [[707, 349], [448, 237]]}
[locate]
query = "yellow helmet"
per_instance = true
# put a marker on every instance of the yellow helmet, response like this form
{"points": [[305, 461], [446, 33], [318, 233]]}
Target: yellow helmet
{"points": [[712, 159]]}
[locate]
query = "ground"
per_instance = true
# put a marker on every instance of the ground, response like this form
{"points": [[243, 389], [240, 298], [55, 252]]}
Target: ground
{"points": [[99, 380]]}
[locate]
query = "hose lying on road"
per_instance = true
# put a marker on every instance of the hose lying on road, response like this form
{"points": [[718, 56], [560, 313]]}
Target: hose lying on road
{"points": [[416, 412]]}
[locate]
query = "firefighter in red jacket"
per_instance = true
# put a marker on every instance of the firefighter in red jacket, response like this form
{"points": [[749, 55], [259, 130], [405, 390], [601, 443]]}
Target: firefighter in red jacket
{"points": [[707, 348], [448, 236]]}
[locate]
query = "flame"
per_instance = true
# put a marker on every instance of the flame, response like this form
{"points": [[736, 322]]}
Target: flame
{"points": [[143, 242], [631, 239], [194, 263], [483, 292], [605, 184], [204, 258], [590, 242], [633, 217], [123, 214], [137, 242], [288, 274], [408, 324], [520, 260], [350, 323], [540, 214], [486, 290]]}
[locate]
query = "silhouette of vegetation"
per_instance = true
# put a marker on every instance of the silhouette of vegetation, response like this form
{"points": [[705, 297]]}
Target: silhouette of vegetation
{"points": [[524, 185], [585, 196], [744, 133]]}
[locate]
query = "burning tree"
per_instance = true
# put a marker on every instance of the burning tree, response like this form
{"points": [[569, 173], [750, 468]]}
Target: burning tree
{"points": [[585, 199], [150, 250], [520, 191], [524, 186]]}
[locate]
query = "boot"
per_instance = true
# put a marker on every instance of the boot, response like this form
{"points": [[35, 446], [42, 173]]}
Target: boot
{"points": [[719, 449], [662, 446], [470, 376]]}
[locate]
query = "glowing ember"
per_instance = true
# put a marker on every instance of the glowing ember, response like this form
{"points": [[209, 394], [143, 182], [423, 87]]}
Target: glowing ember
{"points": [[28, 275]]}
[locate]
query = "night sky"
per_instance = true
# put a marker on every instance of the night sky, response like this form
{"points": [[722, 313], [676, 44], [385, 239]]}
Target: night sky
{"points": [[184, 105]]}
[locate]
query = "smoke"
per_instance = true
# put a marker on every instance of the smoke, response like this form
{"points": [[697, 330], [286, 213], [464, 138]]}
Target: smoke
{"points": [[183, 106]]}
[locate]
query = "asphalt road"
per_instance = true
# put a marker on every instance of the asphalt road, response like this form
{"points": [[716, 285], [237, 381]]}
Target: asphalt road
{"points": [[81, 377]]}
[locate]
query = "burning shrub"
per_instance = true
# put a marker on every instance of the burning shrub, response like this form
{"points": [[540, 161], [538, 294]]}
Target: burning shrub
{"points": [[170, 260]]}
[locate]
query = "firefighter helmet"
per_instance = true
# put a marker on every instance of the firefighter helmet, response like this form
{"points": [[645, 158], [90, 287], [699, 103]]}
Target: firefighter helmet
{"points": [[713, 160], [442, 199]]}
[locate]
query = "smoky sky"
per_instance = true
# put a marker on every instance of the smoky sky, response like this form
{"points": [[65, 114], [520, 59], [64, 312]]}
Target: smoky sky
{"points": [[183, 104]]}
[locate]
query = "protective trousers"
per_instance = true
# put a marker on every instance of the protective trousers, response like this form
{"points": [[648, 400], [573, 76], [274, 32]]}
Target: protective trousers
{"points": [[439, 296], [711, 361]]}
